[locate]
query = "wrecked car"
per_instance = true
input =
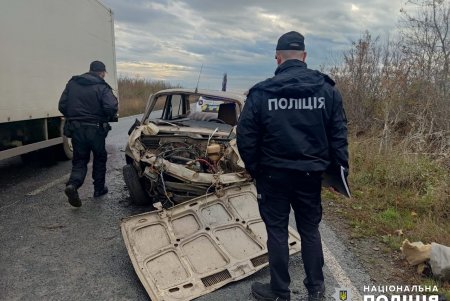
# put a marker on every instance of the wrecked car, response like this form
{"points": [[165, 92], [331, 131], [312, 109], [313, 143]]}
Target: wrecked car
{"points": [[206, 230], [178, 152]]}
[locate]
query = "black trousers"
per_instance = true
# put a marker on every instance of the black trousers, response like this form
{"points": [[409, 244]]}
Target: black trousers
{"points": [[278, 190], [87, 139]]}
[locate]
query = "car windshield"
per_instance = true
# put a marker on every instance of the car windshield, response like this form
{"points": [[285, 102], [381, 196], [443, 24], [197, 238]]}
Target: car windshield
{"points": [[184, 108]]}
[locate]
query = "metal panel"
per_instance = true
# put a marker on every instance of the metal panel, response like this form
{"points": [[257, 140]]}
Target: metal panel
{"points": [[44, 43], [16, 151], [199, 246]]}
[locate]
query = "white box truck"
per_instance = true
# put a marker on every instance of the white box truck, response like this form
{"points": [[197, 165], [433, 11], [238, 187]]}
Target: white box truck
{"points": [[42, 44]]}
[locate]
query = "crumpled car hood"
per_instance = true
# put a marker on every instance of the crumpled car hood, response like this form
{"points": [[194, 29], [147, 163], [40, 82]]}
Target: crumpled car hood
{"points": [[199, 246]]}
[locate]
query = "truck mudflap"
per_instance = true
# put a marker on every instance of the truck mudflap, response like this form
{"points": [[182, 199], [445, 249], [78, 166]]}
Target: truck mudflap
{"points": [[198, 246]]}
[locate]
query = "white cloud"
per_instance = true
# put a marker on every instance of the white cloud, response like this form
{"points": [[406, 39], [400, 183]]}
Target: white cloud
{"points": [[354, 7], [156, 71]]}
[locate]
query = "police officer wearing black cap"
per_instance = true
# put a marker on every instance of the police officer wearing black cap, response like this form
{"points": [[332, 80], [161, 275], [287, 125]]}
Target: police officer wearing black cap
{"points": [[88, 104], [292, 129]]}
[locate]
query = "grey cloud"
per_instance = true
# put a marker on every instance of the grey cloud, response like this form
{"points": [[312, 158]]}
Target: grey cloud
{"points": [[239, 36]]}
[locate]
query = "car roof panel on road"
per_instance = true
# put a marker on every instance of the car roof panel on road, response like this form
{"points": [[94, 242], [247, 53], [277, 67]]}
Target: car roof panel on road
{"points": [[199, 246]]}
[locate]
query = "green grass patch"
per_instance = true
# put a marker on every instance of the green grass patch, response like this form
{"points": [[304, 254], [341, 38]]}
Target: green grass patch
{"points": [[392, 219], [393, 241]]}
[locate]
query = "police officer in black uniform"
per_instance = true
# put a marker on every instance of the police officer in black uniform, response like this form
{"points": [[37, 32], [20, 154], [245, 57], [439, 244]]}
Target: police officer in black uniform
{"points": [[88, 104], [292, 129]]}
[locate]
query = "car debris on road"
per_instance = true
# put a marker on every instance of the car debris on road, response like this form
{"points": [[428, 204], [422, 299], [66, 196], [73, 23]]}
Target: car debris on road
{"points": [[200, 245]]}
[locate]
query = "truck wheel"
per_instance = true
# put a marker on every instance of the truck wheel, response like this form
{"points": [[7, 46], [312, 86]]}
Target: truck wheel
{"points": [[63, 151], [67, 148], [133, 182]]}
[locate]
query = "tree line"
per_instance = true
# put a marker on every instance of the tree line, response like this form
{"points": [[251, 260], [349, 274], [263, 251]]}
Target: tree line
{"points": [[397, 88]]}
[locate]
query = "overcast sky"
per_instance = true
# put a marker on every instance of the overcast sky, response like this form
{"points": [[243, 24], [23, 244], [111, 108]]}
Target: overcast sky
{"points": [[170, 40]]}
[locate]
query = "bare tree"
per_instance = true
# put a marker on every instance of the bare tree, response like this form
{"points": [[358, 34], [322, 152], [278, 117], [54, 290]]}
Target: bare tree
{"points": [[358, 79], [426, 42], [397, 90]]}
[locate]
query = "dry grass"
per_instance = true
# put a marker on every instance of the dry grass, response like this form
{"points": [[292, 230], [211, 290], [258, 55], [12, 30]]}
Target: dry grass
{"points": [[394, 191], [134, 93], [131, 106]]}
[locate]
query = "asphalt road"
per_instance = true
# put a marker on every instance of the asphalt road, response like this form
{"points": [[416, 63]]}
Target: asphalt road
{"points": [[52, 251]]}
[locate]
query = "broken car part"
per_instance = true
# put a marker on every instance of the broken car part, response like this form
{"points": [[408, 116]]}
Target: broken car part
{"points": [[199, 246]]}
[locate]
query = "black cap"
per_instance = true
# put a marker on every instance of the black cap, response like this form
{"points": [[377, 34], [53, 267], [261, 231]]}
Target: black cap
{"points": [[97, 66], [291, 41]]}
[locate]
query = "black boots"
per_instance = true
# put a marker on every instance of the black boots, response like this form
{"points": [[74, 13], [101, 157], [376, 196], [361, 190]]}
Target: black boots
{"points": [[263, 292], [99, 193], [72, 195], [317, 295], [74, 198]]}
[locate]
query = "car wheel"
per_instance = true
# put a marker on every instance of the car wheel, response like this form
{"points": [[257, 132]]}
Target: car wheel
{"points": [[134, 184], [128, 159]]}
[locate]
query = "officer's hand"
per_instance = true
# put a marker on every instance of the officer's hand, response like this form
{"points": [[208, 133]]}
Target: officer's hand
{"points": [[333, 190]]}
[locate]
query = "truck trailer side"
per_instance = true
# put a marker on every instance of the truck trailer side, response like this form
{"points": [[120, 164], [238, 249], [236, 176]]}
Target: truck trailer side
{"points": [[43, 44]]}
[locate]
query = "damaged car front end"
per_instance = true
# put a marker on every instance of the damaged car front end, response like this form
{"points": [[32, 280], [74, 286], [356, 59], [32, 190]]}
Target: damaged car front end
{"points": [[175, 154]]}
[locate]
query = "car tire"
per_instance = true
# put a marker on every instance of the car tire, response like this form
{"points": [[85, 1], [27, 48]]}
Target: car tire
{"points": [[137, 193]]}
